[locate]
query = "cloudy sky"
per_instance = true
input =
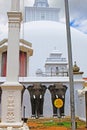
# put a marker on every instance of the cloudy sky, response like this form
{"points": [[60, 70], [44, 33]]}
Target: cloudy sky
{"points": [[77, 8], [78, 11]]}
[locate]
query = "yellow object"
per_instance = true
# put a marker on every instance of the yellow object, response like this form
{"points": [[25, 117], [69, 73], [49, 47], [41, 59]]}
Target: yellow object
{"points": [[58, 103]]}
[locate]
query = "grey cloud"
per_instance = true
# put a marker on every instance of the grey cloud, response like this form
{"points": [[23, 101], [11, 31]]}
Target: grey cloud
{"points": [[4, 7], [77, 8]]}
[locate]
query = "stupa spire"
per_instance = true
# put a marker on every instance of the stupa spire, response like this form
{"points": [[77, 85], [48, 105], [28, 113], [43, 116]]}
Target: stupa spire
{"points": [[41, 3]]}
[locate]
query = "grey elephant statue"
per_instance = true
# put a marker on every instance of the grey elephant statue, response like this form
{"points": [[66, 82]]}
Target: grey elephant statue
{"points": [[57, 90], [37, 91]]}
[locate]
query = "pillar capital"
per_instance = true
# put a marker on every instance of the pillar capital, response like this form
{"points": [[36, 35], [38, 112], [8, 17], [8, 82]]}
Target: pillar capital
{"points": [[14, 16]]}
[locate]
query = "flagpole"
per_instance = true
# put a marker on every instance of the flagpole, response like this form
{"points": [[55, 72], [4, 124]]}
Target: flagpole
{"points": [[72, 104]]}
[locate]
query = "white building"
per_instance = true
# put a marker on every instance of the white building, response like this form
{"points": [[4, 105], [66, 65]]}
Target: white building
{"points": [[55, 65], [48, 80], [46, 38], [56, 68], [61, 77], [41, 11], [25, 51]]}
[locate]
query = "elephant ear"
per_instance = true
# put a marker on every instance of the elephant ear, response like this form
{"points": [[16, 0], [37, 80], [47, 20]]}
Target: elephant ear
{"points": [[23, 89], [51, 87], [65, 87], [30, 87], [43, 87]]}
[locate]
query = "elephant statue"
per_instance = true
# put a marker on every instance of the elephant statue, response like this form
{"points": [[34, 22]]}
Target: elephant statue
{"points": [[37, 92], [57, 90]]}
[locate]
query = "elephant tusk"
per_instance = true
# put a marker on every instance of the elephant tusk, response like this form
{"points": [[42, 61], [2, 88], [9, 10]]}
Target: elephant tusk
{"points": [[34, 96], [40, 96], [56, 96]]}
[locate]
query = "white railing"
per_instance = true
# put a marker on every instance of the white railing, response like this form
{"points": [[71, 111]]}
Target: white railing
{"points": [[56, 60], [53, 74]]}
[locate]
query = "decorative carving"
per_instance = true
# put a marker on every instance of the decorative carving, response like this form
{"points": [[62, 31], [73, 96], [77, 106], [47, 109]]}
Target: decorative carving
{"points": [[10, 106], [14, 19]]}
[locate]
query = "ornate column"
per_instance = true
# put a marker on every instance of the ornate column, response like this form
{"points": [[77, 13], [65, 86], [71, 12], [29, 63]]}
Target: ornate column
{"points": [[11, 89]]}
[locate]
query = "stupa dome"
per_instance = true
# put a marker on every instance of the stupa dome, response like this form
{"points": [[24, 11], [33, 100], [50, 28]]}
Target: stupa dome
{"points": [[45, 35]]}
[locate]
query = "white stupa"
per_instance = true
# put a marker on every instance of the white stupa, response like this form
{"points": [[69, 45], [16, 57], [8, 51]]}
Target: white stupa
{"points": [[45, 35]]}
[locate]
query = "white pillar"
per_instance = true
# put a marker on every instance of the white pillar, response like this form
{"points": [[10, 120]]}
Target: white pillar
{"points": [[13, 46], [15, 5], [11, 89]]}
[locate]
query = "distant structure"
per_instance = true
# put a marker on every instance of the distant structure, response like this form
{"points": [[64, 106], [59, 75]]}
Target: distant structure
{"points": [[41, 11], [55, 65], [25, 51]]}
